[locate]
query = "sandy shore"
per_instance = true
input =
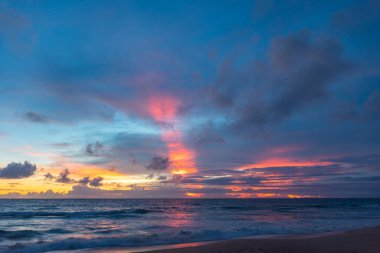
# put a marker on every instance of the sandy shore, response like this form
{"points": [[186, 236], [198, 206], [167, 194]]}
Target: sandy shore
{"points": [[357, 241]]}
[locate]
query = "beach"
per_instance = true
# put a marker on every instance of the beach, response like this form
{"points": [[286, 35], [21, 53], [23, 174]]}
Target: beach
{"points": [[357, 241]]}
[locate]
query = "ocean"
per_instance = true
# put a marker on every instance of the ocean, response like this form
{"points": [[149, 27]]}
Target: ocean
{"points": [[49, 225]]}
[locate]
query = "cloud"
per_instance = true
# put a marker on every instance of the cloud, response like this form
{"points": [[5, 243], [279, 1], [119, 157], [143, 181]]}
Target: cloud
{"points": [[275, 88], [162, 178], [157, 177], [150, 176], [132, 149], [84, 181], [18, 170], [36, 118], [63, 177], [158, 163], [364, 162], [95, 149], [298, 73], [48, 176], [96, 182]]}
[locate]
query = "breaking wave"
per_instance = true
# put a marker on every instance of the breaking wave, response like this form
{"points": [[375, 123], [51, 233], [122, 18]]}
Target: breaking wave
{"points": [[114, 214]]}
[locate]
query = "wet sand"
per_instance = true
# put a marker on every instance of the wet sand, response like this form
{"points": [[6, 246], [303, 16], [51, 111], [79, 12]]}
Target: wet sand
{"points": [[358, 241]]}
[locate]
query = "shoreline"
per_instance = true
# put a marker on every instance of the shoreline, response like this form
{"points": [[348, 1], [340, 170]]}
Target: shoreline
{"points": [[364, 240]]}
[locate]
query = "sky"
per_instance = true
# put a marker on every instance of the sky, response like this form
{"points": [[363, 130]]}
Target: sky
{"points": [[194, 99]]}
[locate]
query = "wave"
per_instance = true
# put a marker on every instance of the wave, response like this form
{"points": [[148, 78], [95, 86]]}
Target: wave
{"points": [[19, 234], [137, 239], [75, 243], [84, 214], [134, 223], [28, 234], [246, 208]]}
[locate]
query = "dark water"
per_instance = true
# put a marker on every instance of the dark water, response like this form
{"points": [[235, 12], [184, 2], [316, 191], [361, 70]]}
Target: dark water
{"points": [[46, 225]]}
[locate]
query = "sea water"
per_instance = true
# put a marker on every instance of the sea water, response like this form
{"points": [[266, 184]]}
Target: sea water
{"points": [[63, 224]]}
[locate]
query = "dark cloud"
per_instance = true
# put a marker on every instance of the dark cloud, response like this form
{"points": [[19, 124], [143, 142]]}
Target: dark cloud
{"points": [[233, 180], [137, 187], [133, 148], [304, 68], [222, 91], [18, 170], [48, 176], [84, 180], [364, 162], [176, 178], [150, 176], [162, 178], [95, 149], [35, 117], [63, 177], [158, 163], [298, 73], [158, 177], [96, 182]]}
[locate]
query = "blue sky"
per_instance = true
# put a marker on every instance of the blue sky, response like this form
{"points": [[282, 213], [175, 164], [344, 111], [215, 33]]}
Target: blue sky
{"points": [[190, 98]]}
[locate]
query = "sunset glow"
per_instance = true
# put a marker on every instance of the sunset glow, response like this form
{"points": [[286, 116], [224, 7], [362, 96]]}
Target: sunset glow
{"points": [[164, 110], [194, 195], [283, 162], [182, 126], [246, 99]]}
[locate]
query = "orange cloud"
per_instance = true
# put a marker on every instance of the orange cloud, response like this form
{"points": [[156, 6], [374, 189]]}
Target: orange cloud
{"points": [[282, 162], [194, 195], [193, 186], [240, 195], [164, 110], [267, 195], [236, 188], [280, 182], [296, 196]]}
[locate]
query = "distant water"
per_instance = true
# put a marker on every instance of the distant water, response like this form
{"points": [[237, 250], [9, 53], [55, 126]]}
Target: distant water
{"points": [[46, 225]]}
